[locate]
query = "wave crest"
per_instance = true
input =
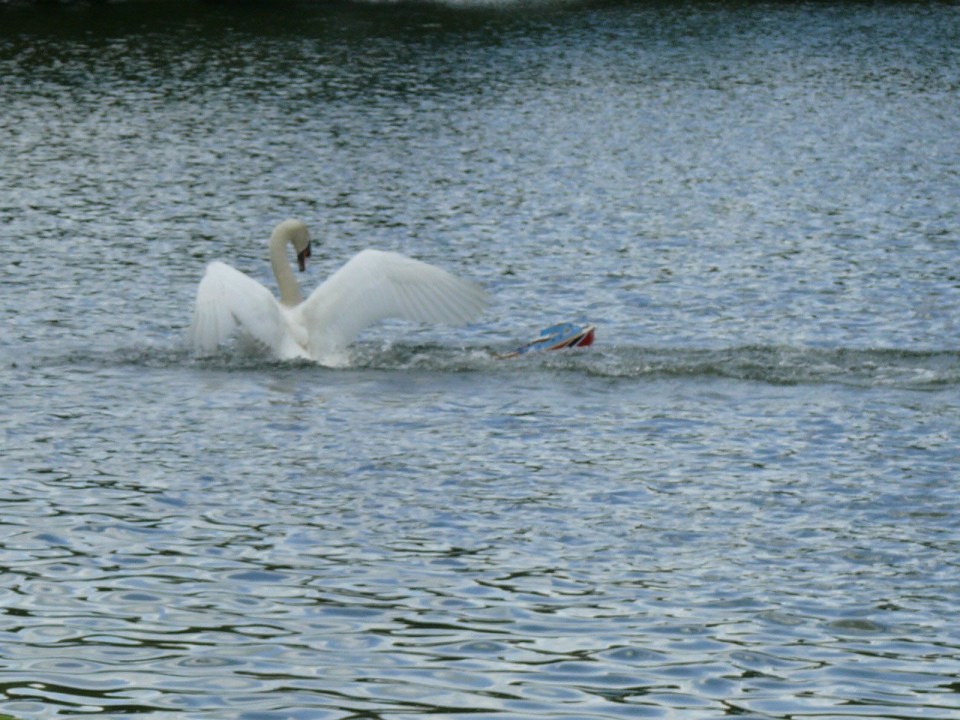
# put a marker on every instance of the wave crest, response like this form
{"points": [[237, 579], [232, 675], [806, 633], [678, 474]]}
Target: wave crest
{"points": [[778, 365]]}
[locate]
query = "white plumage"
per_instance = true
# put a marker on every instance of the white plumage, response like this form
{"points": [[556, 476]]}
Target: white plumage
{"points": [[372, 286]]}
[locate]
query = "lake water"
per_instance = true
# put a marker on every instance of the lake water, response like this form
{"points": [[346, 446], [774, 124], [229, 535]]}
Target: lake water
{"points": [[743, 500]]}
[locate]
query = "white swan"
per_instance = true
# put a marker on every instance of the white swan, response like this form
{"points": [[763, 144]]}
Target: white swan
{"points": [[373, 285]]}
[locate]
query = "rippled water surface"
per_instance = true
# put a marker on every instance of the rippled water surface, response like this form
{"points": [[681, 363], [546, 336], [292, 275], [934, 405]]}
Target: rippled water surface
{"points": [[741, 501]]}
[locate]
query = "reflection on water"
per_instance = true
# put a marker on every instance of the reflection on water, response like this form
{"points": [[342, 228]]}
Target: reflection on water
{"points": [[426, 543], [741, 501]]}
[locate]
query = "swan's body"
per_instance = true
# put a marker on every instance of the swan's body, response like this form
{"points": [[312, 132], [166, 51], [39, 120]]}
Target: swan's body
{"points": [[372, 286]]}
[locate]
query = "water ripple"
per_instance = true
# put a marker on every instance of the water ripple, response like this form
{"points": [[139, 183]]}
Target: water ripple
{"points": [[778, 365], [741, 501]]}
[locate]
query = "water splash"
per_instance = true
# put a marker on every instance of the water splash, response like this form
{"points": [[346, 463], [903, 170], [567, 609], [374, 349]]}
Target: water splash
{"points": [[770, 364]]}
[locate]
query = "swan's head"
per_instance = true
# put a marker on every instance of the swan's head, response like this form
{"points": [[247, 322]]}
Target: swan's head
{"points": [[296, 233]]}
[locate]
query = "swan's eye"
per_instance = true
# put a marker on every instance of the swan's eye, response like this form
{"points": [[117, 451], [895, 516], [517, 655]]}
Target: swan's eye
{"points": [[302, 257]]}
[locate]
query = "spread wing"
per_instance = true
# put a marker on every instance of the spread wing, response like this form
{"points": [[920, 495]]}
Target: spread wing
{"points": [[376, 285], [227, 300]]}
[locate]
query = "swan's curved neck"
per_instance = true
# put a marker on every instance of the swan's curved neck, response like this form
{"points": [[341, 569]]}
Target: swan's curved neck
{"points": [[289, 289]]}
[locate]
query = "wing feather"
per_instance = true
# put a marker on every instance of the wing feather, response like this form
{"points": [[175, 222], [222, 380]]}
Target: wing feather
{"points": [[228, 300], [376, 285]]}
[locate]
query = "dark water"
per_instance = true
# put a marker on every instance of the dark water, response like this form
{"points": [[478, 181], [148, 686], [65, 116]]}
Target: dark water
{"points": [[742, 501]]}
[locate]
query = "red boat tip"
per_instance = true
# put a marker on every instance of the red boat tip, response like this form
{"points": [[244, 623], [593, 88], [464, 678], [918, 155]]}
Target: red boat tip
{"points": [[587, 340]]}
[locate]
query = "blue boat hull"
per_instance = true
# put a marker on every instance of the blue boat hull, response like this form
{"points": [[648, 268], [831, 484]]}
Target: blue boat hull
{"points": [[558, 337]]}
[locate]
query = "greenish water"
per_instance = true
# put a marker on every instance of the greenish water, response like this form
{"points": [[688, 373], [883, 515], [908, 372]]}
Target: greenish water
{"points": [[741, 501]]}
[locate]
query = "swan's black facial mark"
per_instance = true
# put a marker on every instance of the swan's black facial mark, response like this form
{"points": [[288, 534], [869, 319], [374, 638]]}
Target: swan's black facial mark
{"points": [[302, 257]]}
